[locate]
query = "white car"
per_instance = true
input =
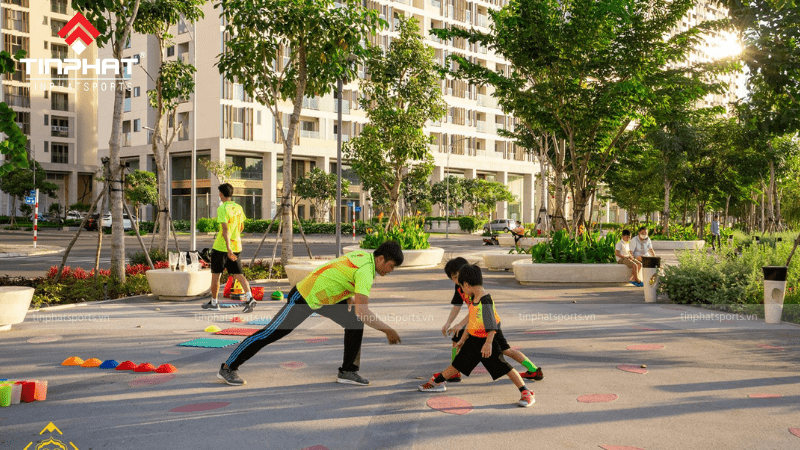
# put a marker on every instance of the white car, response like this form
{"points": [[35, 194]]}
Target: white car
{"points": [[504, 225]]}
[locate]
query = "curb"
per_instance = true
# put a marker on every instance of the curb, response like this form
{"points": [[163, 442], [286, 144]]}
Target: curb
{"points": [[99, 302]]}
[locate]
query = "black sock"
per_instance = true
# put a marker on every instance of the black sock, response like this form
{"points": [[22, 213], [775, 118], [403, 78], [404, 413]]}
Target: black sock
{"points": [[440, 378], [524, 388]]}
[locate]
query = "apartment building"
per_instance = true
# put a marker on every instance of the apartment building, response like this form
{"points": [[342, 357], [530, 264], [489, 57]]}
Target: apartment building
{"points": [[232, 127], [58, 112]]}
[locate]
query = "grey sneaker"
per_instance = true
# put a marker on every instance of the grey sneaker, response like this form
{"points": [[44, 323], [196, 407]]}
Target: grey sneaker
{"points": [[210, 306], [351, 378], [249, 306], [230, 376]]}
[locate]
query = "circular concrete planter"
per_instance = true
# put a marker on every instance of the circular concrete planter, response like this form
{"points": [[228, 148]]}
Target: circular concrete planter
{"points": [[299, 268], [177, 285], [502, 261], [14, 304], [677, 245], [507, 240], [527, 273], [412, 259]]}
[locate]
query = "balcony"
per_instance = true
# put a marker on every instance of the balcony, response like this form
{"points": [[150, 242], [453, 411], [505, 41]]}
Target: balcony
{"points": [[24, 127], [345, 106], [58, 7], [59, 131], [238, 130], [247, 175], [311, 103], [436, 3], [309, 134], [482, 20], [17, 100], [480, 126]]}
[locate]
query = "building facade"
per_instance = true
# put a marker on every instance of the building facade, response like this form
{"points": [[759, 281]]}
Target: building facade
{"points": [[58, 112], [232, 127]]}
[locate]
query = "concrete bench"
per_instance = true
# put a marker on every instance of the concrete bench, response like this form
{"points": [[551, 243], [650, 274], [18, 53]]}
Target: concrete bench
{"points": [[14, 304], [507, 240], [503, 261], [528, 273], [412, 259], [676, 245]]}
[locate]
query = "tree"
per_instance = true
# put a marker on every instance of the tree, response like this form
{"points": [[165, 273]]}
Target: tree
{"points": [[14, 146], [400, 94], [456, 195], [54, 209], [19, 182], [320, 188], [142, 189], [484, 195], [114, 20], [285, 51], [173, 83], [587, 71], [417, 195], [221, 170]]}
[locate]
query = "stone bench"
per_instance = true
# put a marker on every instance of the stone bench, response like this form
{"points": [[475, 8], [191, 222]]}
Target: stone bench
{"points": [[412, 259], [503, 261], [676, 245], [507, 240], [298, 269], [178, 285], [528, 273]]}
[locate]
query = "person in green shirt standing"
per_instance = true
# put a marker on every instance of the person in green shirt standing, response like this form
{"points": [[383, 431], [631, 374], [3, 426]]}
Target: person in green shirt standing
{"points": [[226, 249], [338, 290]]}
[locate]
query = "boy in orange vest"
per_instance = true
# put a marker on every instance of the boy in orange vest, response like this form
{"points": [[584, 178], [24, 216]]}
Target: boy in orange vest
{"points": [[477, 345]]}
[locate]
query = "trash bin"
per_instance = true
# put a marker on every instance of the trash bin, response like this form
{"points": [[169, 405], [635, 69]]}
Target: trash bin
{"points": [[650, 266], [774, 292]]}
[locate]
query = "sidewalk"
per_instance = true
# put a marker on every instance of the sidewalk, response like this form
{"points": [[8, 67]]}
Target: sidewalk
{"points": [[8, 250], [712, 380]]}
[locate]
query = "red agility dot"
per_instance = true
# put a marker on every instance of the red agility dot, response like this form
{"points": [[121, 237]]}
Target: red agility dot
{"points": [[166, 368], [151, 380], [144, 367], [450, 405], [293, 365], [597, 398], [126, 365], [316, 340], [795, 431]]}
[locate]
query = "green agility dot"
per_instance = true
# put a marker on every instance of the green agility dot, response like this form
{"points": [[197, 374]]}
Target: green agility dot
{"points": [[277, 295]]}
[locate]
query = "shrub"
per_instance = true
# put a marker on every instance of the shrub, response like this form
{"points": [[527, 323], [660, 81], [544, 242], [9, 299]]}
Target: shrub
{"points": [[206, 225], [410, 235], [470, 224], [586, 249], [156, 255]]}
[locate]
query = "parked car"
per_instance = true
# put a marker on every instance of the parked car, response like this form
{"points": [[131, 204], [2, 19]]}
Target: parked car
{"points": [[75, 215], [92, 223], [50, 219], [504, 225]]}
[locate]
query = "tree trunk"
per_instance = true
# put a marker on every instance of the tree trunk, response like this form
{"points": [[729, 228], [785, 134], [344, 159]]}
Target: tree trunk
{"points": [[161, 158], [778, 217], [543, 222], [701, 220], [685, 210], [559, 219], [762, 227], [727, 210], [771, 198], [287, 251], [666, 212]]}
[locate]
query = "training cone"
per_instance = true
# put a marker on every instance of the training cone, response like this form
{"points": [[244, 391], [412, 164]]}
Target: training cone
{"points": [[109, 364], [92, 362], [212, 329], [144, 367], [166, 368], [126, 365], [277, 295], [72, 361]]}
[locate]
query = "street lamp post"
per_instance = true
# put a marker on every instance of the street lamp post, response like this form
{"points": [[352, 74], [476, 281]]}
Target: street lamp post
{"points": [[338, 211], [447, 188], [193, 163]]}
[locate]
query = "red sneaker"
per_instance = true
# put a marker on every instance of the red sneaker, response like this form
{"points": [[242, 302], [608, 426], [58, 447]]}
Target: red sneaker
{"points": [[527, 399], [537, 375], [455, 378]]}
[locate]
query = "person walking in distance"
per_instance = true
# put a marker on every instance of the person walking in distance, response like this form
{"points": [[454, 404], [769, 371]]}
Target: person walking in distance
{"points": [[227, 247]]}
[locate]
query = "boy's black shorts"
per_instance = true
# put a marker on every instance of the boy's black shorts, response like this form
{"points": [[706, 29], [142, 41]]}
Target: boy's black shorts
{"points": [[220, 262], [498, 338], [470, 355]]}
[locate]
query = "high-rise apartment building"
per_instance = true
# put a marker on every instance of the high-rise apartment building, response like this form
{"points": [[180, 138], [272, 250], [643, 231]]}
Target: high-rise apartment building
{"points": [[58, 112], [232, 127]]}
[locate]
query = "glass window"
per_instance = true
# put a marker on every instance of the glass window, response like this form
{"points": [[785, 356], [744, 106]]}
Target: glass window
{"points": [[251, 167], [59, 153]]}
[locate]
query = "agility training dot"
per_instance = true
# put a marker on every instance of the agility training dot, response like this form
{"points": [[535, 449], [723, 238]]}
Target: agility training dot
{"points": [[91, 362], [212, 329], [72, 361], [126, 365], [166, 368], [109, 364], [144, 367]]}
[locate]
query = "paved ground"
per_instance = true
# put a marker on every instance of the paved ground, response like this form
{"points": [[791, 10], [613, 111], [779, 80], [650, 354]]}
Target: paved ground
{"points": [[695, 395]]}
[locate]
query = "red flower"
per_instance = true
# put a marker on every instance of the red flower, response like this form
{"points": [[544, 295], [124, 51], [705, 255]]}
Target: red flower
{"points": [[52, 272], [79, 274]]}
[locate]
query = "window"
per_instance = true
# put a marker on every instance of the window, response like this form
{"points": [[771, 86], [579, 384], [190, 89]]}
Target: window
{"points": [[183, 118], [46, 147], [298, 168], [45, 45], [56, 26], [59, 101], [58, 6], [23, 3], [12, 44], [60, 127], [59, 153], [171, 51], [137, 125], [59, 51], [258, 117], [252, 167], [17, 96], [15, 20], [46, 119], [59, 80], [24, 121], [136, 91], [136, 59]]}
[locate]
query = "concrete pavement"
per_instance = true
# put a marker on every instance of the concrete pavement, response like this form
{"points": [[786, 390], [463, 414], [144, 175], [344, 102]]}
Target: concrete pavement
{"points": [[696, 393]]}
